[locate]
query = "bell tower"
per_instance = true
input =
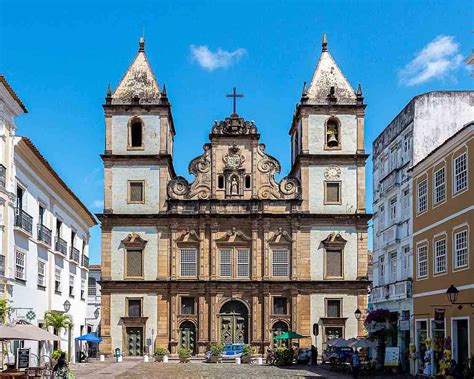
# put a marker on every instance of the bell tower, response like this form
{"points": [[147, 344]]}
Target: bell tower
{"points": [[138, 141]]}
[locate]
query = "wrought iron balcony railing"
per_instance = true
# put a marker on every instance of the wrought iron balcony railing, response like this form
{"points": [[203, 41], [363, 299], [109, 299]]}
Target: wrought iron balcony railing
{"points": [[23, 220], [61, 246], [74, 255], [85, 261], [44, 234]]}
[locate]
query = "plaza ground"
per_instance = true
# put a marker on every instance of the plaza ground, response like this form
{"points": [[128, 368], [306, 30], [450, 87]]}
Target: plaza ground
{"points": [[136, 368]]}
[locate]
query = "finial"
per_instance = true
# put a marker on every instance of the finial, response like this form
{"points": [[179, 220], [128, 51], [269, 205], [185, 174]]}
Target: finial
{"points": [[164, 89], [325, 42], [359, 97], [108, 97], [141, 44], [304, 93]]}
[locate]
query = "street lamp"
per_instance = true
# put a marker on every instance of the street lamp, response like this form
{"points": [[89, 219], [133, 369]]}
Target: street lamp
{"points": [[67, 306], [358, 314], [97, 313], [452, 293]]}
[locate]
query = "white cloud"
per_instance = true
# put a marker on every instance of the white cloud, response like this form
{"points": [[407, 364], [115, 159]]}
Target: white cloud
{"points": [[210, 60], [437, 60], [98, 204]]}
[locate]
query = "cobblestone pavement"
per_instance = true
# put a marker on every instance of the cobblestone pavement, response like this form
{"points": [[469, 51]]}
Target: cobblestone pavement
{"points": [[131, 368]]}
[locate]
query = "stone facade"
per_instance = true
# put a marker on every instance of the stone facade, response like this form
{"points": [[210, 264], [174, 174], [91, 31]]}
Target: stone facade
{"points": [[234, 255]]}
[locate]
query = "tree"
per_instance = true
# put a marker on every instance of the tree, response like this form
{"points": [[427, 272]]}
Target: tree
{"points": [[57, 320], [4, 308]]}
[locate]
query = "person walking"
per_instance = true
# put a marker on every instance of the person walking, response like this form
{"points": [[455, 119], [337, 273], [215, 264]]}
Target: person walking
{"points": [[61, 367], [355, 364], [314, 355]]}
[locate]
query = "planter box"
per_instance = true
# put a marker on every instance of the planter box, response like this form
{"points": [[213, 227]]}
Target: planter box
{"points": [[246, 359], [214, 359], [159, 358], [184, 359]]}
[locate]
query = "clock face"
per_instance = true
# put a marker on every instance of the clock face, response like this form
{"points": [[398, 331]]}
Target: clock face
{"points": [[332, 173]]}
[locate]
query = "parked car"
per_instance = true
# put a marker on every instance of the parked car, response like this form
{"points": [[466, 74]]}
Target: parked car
{"points": [[232, 350], [304, 356], [336, 353]]}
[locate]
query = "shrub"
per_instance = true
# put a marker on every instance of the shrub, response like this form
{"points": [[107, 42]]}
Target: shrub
{"points": [[184, 352], [57, 353], [216, 349], [248, 350], [161, 351], [284, 356]]}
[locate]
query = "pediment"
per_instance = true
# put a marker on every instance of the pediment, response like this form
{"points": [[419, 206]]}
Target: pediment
{"points": [[233, 236], [188, 236], [281, 236], [334, 240], [134, 240]]}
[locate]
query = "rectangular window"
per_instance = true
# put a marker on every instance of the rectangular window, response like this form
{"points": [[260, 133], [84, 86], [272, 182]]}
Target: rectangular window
{"points": [[92, 287], [406, 199], [461, 249], [406, 259], [280, 262], [136, 192], [422, 196], [460, 173], [439, 186], [41, 273], [243, 257], [381, 269], [423, 261], [134, 263], [57, 280], [187, 305], [226, 263], [20, 265], [333, 308], [41, 214], [71, 285], [134, 308], [440, 256], [393, 208], [73, 237], [382, 217], [83, 289], [188, 262], [334, 263], [280, 306], [393, 266], [333, 192]]}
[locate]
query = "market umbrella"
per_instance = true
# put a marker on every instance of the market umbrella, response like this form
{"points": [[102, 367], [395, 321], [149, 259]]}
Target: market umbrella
{"points": [[90, 337], [289, 336], [336, 342], [363, 343], [26, 331]]}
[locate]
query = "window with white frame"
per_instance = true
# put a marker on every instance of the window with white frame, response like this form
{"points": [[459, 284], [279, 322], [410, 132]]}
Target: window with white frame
{"points": [[461, 249], [57, 280], [422, 261], [41, 273], [393, 208], [394, 158], [406, 142], [406, 260], [243, 258], [83, 289], [439, 186], [280, 262], [226, 263], [382, 217], [92, 287], [460, 173], [188, 262], [422, 196], [393, 266], [20, 265], [440, 256], [72, 278]]}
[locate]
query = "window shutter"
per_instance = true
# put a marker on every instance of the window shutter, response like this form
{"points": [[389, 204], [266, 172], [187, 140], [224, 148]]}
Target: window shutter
{"points": [[134, 263], [334, 263]]}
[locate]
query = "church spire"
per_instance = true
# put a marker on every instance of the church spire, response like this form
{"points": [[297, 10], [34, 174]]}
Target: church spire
{"points": [[329, 85], [138, 85]]}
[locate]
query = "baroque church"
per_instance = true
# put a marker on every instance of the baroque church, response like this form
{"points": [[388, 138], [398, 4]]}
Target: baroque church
{"points": [[233, 256]]}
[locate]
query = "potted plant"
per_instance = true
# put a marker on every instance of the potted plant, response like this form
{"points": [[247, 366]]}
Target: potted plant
{"points": [[216, 350], [184, 354], [247, 352], [160, 353]]}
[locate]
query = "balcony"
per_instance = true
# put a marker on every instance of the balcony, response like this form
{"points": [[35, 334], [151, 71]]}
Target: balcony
{"points": [[74, 254], [3, 175], [2, 265], [390, 236], [23, 221], [390, 181], [392, 292], [85, 261], [44, 235], [61, 246]]}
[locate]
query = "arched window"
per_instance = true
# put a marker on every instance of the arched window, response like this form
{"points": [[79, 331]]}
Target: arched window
{"points": [[333, 138], [136, 133]]}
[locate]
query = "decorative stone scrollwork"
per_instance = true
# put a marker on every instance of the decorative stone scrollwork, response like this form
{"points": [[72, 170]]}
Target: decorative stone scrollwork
{"points": [[234, 158], [234, 126]]}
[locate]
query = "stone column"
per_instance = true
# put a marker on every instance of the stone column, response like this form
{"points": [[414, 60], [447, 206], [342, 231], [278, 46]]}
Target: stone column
{"points": [[203, 322], [173, 252], [174, 338], [266, 251], [255, 253]]}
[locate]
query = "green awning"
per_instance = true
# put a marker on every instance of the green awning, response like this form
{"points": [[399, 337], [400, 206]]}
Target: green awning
{"points": [[289, 336]]}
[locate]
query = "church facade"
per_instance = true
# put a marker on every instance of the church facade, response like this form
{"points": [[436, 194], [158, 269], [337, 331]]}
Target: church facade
{"points": [[234, 255]]}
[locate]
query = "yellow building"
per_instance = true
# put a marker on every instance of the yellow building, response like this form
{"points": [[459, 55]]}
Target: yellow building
{"points": [[442, 236]]}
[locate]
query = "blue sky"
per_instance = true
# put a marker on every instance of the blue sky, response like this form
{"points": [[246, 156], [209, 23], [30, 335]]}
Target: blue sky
{"points": [[60, 56]]}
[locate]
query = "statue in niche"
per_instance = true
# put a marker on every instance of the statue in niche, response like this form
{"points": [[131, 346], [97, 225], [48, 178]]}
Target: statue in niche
{"points": [[234, 186]]}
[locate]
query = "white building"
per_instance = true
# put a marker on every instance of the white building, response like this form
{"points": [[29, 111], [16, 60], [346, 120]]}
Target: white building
{"points": [[45, 233], [424, 124]]}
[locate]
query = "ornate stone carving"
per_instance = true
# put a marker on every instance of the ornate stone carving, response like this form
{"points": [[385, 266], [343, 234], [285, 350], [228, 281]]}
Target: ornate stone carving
{"points": [[280, 236], [234, 235], [234, 158], [332, 173], [134, 240], [234, 126]]}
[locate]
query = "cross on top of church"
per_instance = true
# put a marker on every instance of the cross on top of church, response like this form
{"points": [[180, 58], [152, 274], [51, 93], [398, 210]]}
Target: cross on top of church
{"points": [[234, 95]]}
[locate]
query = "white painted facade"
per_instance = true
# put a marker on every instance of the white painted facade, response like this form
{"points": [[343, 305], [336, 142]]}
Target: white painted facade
{"points": [[151, 135], [32, 262], [424, 124]]}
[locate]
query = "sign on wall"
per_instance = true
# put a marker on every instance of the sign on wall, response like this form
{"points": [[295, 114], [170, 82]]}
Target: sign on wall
{"points": [[22, 358], [392, 356]]}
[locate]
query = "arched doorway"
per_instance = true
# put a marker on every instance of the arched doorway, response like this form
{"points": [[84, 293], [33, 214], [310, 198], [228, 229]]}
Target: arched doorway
{"points": [[187, 336], [234, 322], [278, 328]]}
